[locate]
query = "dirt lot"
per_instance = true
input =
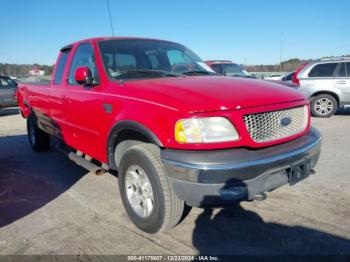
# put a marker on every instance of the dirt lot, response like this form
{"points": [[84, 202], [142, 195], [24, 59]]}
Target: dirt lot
{"points": [[48, 205]]}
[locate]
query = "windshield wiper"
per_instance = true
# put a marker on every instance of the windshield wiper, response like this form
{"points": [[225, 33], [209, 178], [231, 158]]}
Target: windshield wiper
{"points": [[198, 72], [147, 72]]}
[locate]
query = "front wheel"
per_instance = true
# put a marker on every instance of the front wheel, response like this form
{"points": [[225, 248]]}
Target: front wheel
{"points": [[323, 105], [38, 139], [147, 195]]}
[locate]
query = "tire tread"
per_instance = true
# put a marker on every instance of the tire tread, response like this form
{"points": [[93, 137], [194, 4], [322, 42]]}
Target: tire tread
{"points": [[173, 205]]}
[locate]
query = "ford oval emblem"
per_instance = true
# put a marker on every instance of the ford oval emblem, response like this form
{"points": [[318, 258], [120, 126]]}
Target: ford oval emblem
{"points": [[285, 121]]}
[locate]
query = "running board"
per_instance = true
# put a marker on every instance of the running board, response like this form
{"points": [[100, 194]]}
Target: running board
{"points": [[87, 164], [82, 159]]}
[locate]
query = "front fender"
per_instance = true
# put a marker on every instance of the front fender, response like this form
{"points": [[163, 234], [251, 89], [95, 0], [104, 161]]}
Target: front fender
{"points": [[127, 125]]}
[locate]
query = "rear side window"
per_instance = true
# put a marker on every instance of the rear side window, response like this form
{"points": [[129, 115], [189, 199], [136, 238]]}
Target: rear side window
{"points": [[342, 72], [60, 67], [323, 70], [348, 69]]}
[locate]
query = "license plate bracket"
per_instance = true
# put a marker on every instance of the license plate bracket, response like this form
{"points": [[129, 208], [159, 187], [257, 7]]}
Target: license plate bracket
{"points": [[299, 172]]}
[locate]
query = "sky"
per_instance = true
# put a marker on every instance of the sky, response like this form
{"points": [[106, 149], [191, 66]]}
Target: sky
{"points": [[247, 32]]}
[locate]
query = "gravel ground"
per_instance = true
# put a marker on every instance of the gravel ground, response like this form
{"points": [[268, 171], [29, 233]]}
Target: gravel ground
{"points": [[48, 205]]}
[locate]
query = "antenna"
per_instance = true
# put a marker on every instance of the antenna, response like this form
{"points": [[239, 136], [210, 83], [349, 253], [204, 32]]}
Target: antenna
{"points": [[281, 52], [110, 18]]}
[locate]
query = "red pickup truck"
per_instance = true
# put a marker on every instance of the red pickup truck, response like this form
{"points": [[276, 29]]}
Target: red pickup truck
{"points": [[176, 132]]}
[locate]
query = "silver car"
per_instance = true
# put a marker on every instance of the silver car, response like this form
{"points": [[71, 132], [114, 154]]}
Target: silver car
{"points": [[7, 92], [327, 84]]}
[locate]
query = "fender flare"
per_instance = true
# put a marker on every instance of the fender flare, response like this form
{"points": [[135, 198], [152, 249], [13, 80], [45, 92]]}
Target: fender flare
{"points": [[127, 125]]}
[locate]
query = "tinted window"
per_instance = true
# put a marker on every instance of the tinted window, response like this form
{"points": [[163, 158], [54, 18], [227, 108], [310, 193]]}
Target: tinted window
{"points": [[84, 56], [234, 70], [60, 67], [288, 77], [348, 69], [323, 70], [342, 72], [217, 68]]}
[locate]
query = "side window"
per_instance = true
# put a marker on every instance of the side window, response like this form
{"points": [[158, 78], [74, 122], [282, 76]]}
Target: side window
{"points": [[84, 56], [323, 70], [217, 68], [348, 69], [60, 67], [342, 72]]}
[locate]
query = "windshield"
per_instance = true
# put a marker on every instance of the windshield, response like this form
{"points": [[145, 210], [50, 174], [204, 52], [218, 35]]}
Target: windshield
{"points": [[130, 59], [235, 70]]}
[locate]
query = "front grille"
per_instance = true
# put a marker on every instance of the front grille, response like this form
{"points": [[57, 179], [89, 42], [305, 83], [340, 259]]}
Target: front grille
{"points": [[270, 126]]}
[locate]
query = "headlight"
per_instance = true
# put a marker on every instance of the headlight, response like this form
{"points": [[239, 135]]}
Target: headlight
{"points": [[205, 130]]}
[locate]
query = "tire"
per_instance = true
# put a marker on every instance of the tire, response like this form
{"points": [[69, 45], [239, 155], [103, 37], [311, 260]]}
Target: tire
{"points": [[323, 105], [167, 208], [38, 139]]}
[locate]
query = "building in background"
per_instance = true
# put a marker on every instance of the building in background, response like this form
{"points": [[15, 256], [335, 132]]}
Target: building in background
{"points": [[36, 71]]}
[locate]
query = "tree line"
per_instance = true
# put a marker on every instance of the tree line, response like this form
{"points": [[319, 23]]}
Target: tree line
{"points": [[22, 69], [286, 66], [289, 65]]}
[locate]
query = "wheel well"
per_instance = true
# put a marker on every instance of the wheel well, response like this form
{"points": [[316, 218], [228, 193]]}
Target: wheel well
{"points": [[327, 93], [121, 141]]}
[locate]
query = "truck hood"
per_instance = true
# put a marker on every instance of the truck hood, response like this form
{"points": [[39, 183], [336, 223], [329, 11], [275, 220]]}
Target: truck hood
{"points": [[211, 93]]}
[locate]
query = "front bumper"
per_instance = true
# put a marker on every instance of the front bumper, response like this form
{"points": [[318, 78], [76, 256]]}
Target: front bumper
{"points": [[218, 177]]}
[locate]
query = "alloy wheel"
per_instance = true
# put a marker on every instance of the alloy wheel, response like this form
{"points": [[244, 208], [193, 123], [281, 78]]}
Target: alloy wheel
{"points": [[139, 191]]}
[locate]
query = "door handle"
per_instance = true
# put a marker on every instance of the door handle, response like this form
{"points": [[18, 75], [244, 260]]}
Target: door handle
{"points": [[343, 82]]}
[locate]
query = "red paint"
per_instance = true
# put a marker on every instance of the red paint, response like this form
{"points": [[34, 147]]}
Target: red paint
{"points": [[218, 62], [82, 75], [157, 104]]}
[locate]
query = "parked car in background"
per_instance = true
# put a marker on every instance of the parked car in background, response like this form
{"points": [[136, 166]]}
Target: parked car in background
{"points": [[228, 68], [284, 83], [7, 92], [280, 77], [326, 83], [285, 80], [176, 133], [288, 77], [273, 77]]}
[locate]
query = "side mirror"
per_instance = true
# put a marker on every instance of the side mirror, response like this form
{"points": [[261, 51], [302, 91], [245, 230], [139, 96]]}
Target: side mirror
{"points": [[83, 76]]}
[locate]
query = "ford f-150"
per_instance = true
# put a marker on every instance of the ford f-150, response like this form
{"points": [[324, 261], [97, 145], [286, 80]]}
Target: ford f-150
{"points": [[176, 132]]}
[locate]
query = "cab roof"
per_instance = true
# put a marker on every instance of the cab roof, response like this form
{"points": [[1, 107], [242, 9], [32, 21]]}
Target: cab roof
{"points": [[98, 39], [214, 62]]}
